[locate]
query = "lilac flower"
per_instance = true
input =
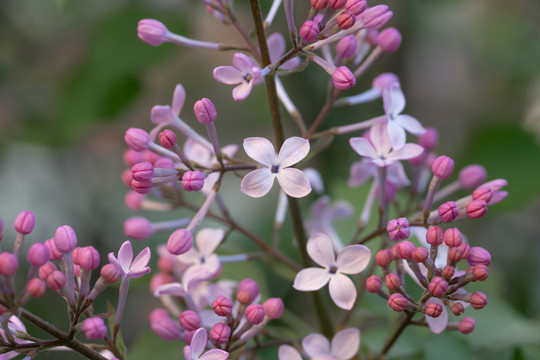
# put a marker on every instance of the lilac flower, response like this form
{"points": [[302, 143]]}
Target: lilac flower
{"points": [[361, 171], [14, 325], [244, 72], [276, 48], [293, 181], [351, 260], [287, 352], [207, 240], [128, 267], [323, 215], [197, 346], [344, 346], [379, 149]]}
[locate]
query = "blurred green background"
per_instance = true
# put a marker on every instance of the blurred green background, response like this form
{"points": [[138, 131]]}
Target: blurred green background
{"points": [[74, 77]]}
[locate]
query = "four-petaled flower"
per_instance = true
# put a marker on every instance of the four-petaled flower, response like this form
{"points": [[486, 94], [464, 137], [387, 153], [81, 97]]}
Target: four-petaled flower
{"points": [[207, 240], [351, 260], [344, 346], [244, 72], [197, 346], [293, 181], [128, 267]]}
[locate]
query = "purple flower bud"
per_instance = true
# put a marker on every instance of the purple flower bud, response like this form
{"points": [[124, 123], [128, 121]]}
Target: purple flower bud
{"points": [[319, 4], [405, 249], [392, 281], [110, 273], [398, 229], [137, 139], [180, 242], [222, 306], [193, 180], [478, 300], [167, 138], [143, 171], [442, 167], [189, 320], [434, 236], [220, 333], [433, 309], [132, 157], [343, 78], [309, 31], [398, 302], [389, 40], [138, 228], [476, 209], [384, 80], [273, 308], [255, 314], [466, 325], [65, 239], [25, 222], [88, 258], [420, 254], [482, 193], [46, 269], [141, 187], [56, 280], [94, 328], [166, 328], [36, 288], [356, 6], [346, 19], [429, 139], [472, 176], [164, 163], [157, 313], [247, 291], [346, 47], [373, 284], [384, 258], [448, 211], [337, 4], [376, 17], [38, 254], [478, 256], [160, 279], [438, 286], [205, 111], [8, 264], [152, 32], [134, 200]]}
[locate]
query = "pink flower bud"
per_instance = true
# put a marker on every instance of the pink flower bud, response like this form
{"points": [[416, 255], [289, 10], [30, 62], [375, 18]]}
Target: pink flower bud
{"points": [[464, 247], [478, 300], [438, 286], [480, 272], [25, 222], [138, 228], [346, 19], [337, 4], [389, 40], [220, 333], [420, 254], [273, 308], [405, 249], [180, 242], [452, 237], [482, 193], [167, 264], [373, 284], [398, 229], [188, 336], [127, 177], [110, 273], [429, 139], [255, 314], [167, 138], [36, 288], [205, 111], [65, 239], [442, 167], [433, 309], [189, 320], [222, 306], [434, 236], [247, 291], [46, 270], [384, 80], [193, 180], [466, 325], [398, 302], [88, 258], [152, 32], [134, 200], [384, 258], [143, 171], [471, 176], [319, 4], [356, 6], [457, 308], [375, 17], [309, 31], [77, 270], [38, 254], [448, 272], [94, 328], [478, 256], [151, 157], [141, 187], [448, 211], [476, 209], [166, 328], [132, 157], [346, 47], [164, 163], [137, 139], [56, 280], [75, 255], [157, 313], [343, 78], [160, 279], [455, 254], [8, 264], [392, 281]]}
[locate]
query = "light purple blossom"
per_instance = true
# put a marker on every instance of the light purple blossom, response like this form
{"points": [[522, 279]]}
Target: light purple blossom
{"points": [[344, 346], [128, 267], [198, 343], [244, 72], [206, 240]]}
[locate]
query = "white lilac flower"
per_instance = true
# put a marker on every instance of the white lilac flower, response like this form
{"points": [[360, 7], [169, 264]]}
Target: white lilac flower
{"points": [[128, 267], [244, 72], [206, 240], [276, 166], [351, 260], [194, 351]]}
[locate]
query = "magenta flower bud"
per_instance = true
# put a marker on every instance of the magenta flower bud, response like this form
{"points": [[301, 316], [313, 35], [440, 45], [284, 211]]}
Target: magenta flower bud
{"points": [[455, 254], [464, 247], [255, 314], [309, 31], [88, 258], [472, 176], [478, 300], [134, 200], [420, 254], [433, 309], [152, 32], [482, 193], [151, 157], [375, 17], [138, 228], [222, 306], [141, 187], [220, 333], [429, 139], [384, 80], [356, 6], [193, 180], [180, 242], [337, 4], [75, 255], [188, 336], [157, 313], [273, 308], [167, 138], [343, 78], [398, 229], [384, 258], [476, 209], [8, 264], [94, 328], [143, 171], [127, 177], [160, 279], [457, 308], [480, 272], [452, 237], [164, 163], [478, 256], [373, 284], [167, 264], [38, 254], [65, 239], [205, 111], [434, 236], [448, 272], [165, 327], [132, 157], [442, 167], [448, 211], [25, 222], [247, 291], [36, 288], [398, 302], [438, 286], [466, 325], [389, 40], [346, 19], [56, 280], [319, 4], [392, 281], [110, 273], [46, 269], [189, 320], [405, 249], [346, 47], [137, 139]]}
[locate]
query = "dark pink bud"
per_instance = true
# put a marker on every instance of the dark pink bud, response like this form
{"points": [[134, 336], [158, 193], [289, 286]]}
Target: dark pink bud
{"points": [[434, 236], [94, 328], [405, 249], [193, 180], [8, 264], [110, 273], [478, 300], [309, 31], [164, 163], [375, 17], [453, 237], [75, 255], [166, 264], [220, 333], [429, 139], [384, 80], [56, 280], [166, 328], [88, 258], [343, 78], [466, 325], [337, 4], [65, 239], [25, 222], [384, 258], [247, 291], [433, 309], [189, 320], [356, 6], [420, 254], [438, 286], [319, 4], [457, 308], [346, 19], [222, 306], [398, 229], [392, 281], [205, 111], [138, 228], [152, 32], [448, 272], [480, 272], [180, 242], [476, 209], [54, 254], [389, 40], [132, 157], [38, 254], [160, 279], [398, 302], [273, 308], [142, 187], [151, 157], [455, 254], [448, 211], [127, 177], [143, 171], [36, 288], [373, 284], [346, 47], [157, 313], [482, 193], [134, 200], [254, 314], [464, 247], [188, 336], [167, 139], [137, 139], [442, 167], [478, 256], [46, 270], [472, 176]]}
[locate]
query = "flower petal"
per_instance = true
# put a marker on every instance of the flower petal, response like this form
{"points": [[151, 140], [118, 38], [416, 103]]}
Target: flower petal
{"points": [[360, 172], [410, 124], [287, 352], [257, 183], [261, 150], [342, 291], [353, 259], [137, 273], [393, 100], [228, 75], [125, 256], [294, 182], [311, 279], [175, 289], [179, 97], [320, 249], [215, 354], [198, 342], [242, 91], [207, 240], [363, 147], [141, 260], [113, 260], [276, 46], [194, 275], [243, 63], [437, 325], [291, 64], [293, 150], [408, 151], [345, 344], [396, 135], [341, 209], [316, 344], [197, 152]]}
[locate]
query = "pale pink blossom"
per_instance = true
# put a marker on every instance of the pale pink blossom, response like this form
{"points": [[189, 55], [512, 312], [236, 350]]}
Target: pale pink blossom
{"points": [[198, 343], [206, 240], [128, 267], [244, 72], [276, 48], [344, 346]]}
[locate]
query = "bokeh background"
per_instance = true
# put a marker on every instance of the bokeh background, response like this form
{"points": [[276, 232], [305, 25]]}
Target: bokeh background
{"points": [[74, 77]]}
